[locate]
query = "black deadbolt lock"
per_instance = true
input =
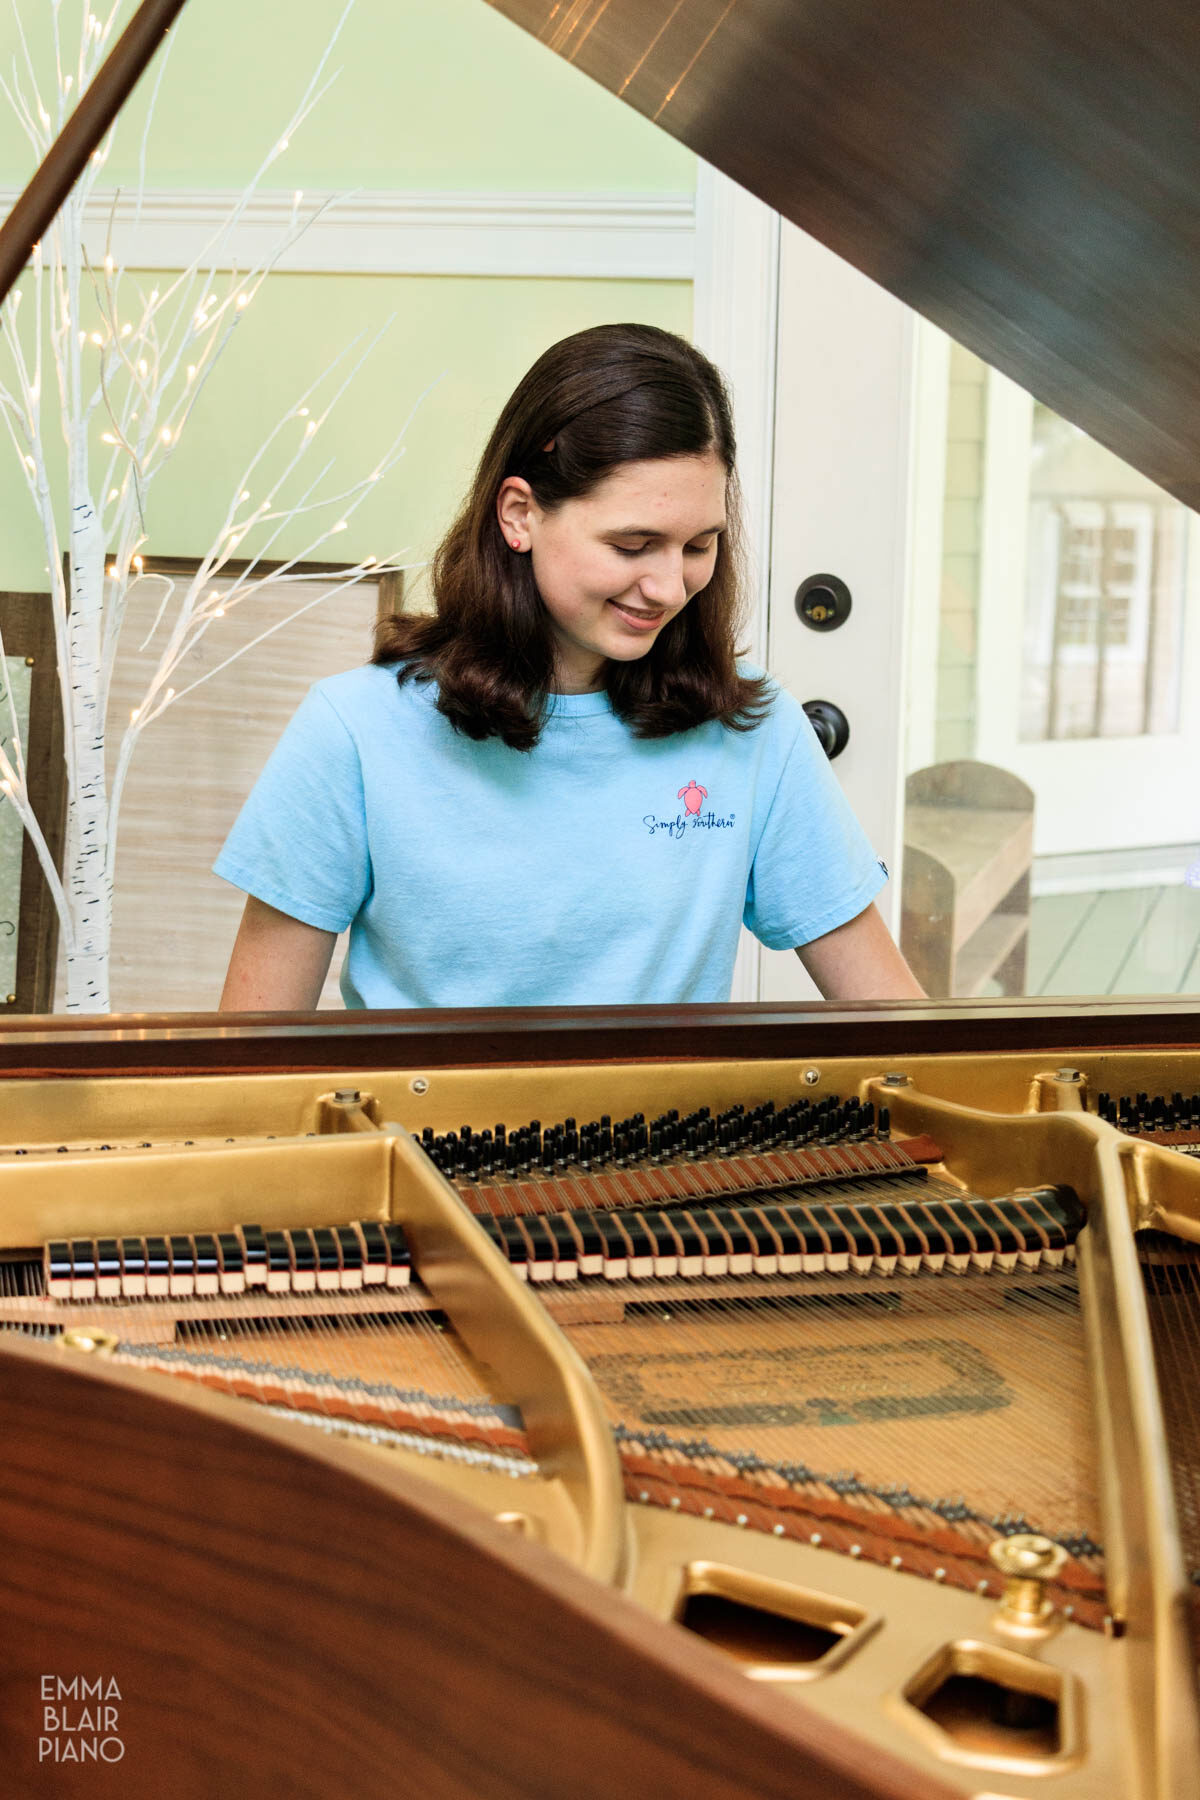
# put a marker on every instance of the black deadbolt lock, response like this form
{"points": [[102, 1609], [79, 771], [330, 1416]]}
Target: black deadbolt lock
{"points": [[823, 602]]}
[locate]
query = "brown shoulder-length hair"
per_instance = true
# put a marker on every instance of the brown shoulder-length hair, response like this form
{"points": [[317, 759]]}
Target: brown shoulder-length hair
{"points": [[614, 394]]}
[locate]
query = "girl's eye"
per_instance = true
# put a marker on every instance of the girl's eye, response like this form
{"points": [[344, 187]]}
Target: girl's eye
{"points": [[624, 550], [701, 549]]}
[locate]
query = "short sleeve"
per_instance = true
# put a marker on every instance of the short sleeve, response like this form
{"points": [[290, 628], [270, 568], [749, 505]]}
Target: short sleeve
{"points": [[813, 867], [300, 841]]}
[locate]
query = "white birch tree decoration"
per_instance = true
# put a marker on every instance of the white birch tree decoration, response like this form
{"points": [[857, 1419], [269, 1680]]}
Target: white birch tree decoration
{"points": [[127, 368]]}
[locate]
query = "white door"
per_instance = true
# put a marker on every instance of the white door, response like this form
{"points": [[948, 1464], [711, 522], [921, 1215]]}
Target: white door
{"points": [[847, 484]]}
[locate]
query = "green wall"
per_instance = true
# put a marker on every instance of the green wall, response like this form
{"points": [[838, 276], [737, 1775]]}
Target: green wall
{"points": [[432, 95], [439, 94], [478, 335]]}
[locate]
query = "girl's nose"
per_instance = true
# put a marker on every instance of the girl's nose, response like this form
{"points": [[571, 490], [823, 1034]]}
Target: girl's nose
{"points": [[664, 586]]}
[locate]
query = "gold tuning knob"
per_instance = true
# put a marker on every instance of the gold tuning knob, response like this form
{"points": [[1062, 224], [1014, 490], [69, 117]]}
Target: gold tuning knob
{"points": [[1027, 1561]]}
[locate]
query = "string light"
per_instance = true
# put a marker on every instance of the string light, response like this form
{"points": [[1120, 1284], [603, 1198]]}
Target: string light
{"points": [[109, 264], [143, 366], [96, 338], [106, 437], [298, 196], [165, 434], [340, 526], [243, 300], [191, 372], [133, 717], [138, 564], [126, 329], [310, 428]]}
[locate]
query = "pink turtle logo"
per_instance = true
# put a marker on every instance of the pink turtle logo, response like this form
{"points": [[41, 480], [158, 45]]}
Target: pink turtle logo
{"points": [[693, 797]]}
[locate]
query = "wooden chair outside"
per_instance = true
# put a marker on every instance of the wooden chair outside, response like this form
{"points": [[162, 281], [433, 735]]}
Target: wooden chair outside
{"points": [[968, 850]]}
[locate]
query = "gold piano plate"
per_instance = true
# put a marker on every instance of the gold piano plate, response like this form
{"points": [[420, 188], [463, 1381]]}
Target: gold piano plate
{"points": [[804, 1470]]}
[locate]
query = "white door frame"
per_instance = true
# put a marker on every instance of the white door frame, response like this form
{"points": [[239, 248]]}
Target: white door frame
{"points": [[735, 309]]}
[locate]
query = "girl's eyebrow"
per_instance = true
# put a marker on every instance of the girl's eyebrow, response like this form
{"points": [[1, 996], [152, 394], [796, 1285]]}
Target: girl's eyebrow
{"points": [[645, 531]]}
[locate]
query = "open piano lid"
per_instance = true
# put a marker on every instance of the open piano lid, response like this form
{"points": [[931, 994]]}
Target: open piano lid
{"points": [[1025, 173]]}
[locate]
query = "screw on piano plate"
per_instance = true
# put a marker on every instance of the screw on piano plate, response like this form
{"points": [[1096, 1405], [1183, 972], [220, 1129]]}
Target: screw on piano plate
{"points": [[347, 1096], [896, 1078], [1027, 1560], [89, 1339], [811, 1077], [1067, 1075], [419, 1085]]}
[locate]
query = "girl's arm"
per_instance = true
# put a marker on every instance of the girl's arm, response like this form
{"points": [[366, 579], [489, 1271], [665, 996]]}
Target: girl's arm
{"points": [[860, 961], [279, 964]]}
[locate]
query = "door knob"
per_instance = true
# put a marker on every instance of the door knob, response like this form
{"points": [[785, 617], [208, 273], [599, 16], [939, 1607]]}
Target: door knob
{"points": [[830, 724]]}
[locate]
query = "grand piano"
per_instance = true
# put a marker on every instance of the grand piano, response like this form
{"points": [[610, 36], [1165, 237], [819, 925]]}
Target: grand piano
{"points": [[756, 1401]]}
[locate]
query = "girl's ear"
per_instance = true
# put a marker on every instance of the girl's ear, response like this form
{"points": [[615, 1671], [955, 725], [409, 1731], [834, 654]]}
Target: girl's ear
{"points": [[514, 505]]}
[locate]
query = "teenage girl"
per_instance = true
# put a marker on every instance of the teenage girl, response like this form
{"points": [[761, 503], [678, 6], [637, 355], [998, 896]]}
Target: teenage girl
{"points": [[561, 788]]}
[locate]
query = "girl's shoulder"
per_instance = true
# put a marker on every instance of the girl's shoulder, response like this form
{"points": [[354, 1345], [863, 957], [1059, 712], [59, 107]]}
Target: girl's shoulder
{"points": [[363, 697], [781, 712]]}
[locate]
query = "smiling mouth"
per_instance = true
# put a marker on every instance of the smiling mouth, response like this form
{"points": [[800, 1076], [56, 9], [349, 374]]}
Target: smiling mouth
{"points": [[643, 618]]}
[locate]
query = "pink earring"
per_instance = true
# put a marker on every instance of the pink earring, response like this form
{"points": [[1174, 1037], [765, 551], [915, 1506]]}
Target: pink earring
{"points": [[516, 543]]}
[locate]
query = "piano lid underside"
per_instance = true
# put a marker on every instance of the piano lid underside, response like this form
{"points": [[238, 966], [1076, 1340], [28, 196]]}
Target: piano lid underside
{"points": [[1026, 175]]}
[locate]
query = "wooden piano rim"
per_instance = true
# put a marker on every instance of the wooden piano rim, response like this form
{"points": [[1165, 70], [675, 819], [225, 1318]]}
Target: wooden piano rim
{"points": [[622, 1704], [151, 1042]]}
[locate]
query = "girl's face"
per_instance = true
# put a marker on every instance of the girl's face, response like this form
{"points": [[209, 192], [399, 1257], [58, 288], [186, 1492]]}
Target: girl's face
{"points": [[615, 566]]}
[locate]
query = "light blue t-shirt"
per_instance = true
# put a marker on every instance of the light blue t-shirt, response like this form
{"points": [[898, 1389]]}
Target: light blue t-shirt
{"points": [[596, 869]]}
